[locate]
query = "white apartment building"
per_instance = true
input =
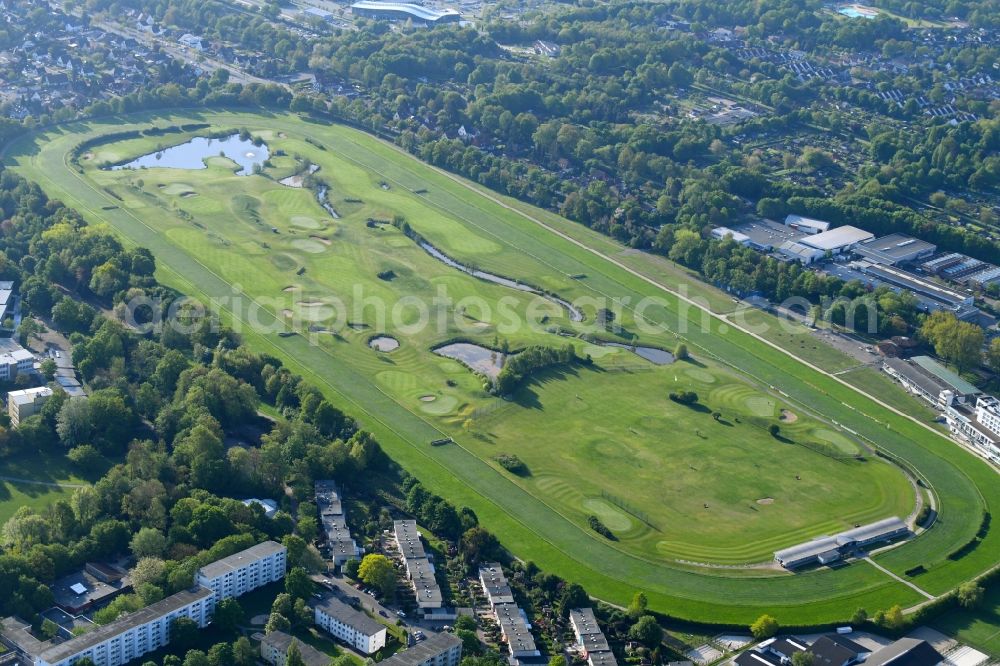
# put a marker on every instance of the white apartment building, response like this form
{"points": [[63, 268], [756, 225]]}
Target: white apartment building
{"points": [[15, 362], [244, 571], [132, 635], [356, 629], [24, 403]]}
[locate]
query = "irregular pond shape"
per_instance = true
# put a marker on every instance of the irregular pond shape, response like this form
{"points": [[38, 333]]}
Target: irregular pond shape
{"points": [[192, 155], [480, 359]]}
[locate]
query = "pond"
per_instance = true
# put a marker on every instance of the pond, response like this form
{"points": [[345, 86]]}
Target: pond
{"points": [[480, 359], [574, 313], [651, 354], [192, 155], [384, 343]]}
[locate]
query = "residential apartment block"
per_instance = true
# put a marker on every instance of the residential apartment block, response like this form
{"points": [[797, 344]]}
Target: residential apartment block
{"points": [[334, 523], [419, 569], [242, 572], [274, 650], [590, 638], [127, 638], [514, 626], [442, 649], [148, 629], [354, 628]]}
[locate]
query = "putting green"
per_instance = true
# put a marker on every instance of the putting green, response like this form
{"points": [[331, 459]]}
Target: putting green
{"points": [[308, 245], [613, 517], [584, 432], [304, 222]]}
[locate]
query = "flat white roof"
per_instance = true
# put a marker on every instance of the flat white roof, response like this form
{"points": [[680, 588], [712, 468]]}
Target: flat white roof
{"points": [[808, 222], [25, 396], [838, 238]]}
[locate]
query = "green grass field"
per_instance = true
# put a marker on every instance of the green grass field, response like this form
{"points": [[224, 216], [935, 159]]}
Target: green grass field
{"points": [[979, 628], [45, 473], [627, 454]]}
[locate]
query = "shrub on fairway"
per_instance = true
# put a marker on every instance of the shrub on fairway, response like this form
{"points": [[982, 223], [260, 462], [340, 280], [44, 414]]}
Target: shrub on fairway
{"points": [[684, 397], [601, 528]]}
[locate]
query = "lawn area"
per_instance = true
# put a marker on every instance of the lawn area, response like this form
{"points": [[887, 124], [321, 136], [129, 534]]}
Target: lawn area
{"points": [[696, 488], [44, 472], [979, 628], [212, 230]]}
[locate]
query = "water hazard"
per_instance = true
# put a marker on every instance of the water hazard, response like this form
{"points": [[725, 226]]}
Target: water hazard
{"points": [[192, 155]]}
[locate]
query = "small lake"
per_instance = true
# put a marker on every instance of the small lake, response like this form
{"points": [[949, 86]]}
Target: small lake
{"points": [[384, 343], [192, 155], [651, 354], [574, 314], [480, 359]]}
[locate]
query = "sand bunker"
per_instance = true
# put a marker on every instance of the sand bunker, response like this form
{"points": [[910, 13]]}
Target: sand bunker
{"points": [[292, 287], [788, 417], [287, 313], [324, 241], [766, 500], [428, 398]]}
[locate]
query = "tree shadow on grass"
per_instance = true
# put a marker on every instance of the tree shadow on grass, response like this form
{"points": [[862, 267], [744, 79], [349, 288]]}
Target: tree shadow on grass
{"points": [[527, 396]]}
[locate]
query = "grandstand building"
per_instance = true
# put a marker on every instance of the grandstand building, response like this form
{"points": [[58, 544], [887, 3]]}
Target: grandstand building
{"points": [[826, 550]]}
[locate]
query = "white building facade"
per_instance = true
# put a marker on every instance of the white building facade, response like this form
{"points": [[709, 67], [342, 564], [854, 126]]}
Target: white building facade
{"points": [[134, 634], [356, 629], [247, 570]]}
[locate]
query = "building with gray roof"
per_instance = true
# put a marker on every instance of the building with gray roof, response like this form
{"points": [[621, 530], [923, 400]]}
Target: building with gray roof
{"points": [[515, 631], [244, 571], [590, 638], [494, 583], [333, 522], [441, 649], [906, 652], [828, 549], [837, 240], [274, 650], [895, 249], [419, 569], [353, 627], [132, 635]]}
